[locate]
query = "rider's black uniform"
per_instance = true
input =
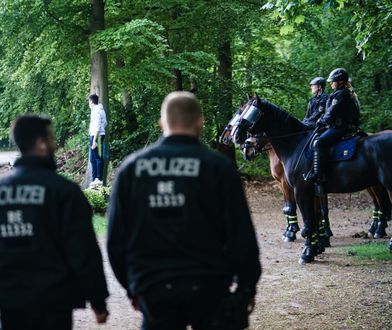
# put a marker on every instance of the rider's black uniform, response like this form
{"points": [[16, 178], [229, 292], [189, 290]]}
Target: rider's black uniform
{"points": [[179, 230], [316, 108], [50, 262], [341, 117]]}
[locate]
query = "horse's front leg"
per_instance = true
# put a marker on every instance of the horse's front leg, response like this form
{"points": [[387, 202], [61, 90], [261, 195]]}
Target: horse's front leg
{"points": [[381, 211], [304, 196], [290, 211], [290, 206]]}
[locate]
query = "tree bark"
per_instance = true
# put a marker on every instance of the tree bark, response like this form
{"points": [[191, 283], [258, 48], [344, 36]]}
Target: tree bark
{"points": [[178, 79], [225, 95], [99, 76]]}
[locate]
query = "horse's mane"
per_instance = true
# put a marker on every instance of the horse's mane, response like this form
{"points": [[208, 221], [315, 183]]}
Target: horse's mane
{"points": [[280, 115]]}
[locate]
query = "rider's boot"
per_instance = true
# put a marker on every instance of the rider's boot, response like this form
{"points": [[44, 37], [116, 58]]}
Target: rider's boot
{"points": [[317, 173], [310, 250], [374, 224], [292, 223]]}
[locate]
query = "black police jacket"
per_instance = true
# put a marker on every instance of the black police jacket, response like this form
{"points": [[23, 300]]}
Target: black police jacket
{"points": [[316, 108], [342, 110], [179, 210], [49, 257]]}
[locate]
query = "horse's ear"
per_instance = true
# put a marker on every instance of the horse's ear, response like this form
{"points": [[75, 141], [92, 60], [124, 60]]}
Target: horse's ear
{"points": [[249, 96], [242, 104], [258, 98]]}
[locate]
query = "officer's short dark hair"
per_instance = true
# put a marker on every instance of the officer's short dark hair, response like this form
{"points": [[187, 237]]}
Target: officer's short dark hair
{"points": [[181, 109], [94, 98], [26, 129]]}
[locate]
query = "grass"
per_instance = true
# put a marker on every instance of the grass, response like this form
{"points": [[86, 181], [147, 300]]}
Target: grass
{"points": [[371, 250], [100, 224]]}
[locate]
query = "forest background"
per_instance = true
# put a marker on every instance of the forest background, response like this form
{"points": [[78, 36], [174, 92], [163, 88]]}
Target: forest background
{"points": [[53, 53]]}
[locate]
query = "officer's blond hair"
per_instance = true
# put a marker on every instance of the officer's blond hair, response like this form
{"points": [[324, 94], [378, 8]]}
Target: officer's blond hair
{"points": [[181, 110]]}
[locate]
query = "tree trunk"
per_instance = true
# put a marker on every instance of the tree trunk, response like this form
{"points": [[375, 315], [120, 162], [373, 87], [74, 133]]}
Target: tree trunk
{"points": [[225, 95], [178, 81], [99, 75]]}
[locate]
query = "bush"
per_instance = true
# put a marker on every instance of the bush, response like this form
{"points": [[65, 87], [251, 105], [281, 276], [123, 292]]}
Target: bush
{"points": [[98, 197]]}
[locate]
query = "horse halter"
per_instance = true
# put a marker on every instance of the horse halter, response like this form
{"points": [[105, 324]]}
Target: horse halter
{"points": [[251, 115]]}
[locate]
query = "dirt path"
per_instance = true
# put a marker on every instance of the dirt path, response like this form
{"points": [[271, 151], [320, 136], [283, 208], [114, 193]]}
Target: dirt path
{"points": [[336, 292]]}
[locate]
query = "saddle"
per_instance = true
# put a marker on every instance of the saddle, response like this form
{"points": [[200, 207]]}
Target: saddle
{"points": [[345, 149]]}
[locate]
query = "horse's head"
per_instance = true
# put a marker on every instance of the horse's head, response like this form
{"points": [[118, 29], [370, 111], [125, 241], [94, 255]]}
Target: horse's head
{"points": [[227, 134], [248, 122], [254, 145]]}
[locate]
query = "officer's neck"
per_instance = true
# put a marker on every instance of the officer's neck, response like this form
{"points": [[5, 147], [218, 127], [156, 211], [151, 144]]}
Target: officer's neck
{"points": [[181, 131]]}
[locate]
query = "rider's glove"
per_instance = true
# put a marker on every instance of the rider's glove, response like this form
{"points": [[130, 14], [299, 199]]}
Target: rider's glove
{"points": [[319, 123]]}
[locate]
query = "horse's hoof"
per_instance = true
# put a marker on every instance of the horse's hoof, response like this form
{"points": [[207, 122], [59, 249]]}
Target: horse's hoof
{"points": [[370, 234], [308, 254], [303, 261], [328, 232], [320, 250], [325, 242], [381, 235], [289, 236]]}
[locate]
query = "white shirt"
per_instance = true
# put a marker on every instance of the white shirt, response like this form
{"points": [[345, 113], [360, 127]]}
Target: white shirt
{"points": [[97, 120]]}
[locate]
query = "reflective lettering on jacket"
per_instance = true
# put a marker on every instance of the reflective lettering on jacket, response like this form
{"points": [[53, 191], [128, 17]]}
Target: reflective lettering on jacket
{"points": [[22, 194], [160, 166]]}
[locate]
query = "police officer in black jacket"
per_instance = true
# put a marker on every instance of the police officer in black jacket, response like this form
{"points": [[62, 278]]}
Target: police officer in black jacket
{"points": [[341, 118], [50, 262], [180, 230], [317, 103]]}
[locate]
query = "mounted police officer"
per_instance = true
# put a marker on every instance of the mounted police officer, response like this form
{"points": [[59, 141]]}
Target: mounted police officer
{"points": [[341, 118], [50, 262], [180, 230], [317, 103]]}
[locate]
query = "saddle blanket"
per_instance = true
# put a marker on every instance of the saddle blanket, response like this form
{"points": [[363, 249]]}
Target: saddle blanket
{"points": [[342, 150]]}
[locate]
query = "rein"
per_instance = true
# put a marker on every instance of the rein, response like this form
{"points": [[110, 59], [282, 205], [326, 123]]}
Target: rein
{"points": [[291, 134]]}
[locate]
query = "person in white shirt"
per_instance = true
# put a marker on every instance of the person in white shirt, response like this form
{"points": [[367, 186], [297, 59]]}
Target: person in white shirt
{"points": [[97, 136]]}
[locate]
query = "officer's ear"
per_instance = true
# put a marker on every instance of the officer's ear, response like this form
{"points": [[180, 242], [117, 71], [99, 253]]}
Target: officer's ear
{"points": [[200, 124]]}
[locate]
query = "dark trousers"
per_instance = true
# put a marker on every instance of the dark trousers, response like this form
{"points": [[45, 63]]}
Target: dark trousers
{"points": [[19, 319], [330, 136], [172, 305], [96, 157]]}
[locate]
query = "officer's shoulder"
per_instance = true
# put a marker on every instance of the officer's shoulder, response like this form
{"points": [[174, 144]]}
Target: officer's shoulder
{"points": [[64, 184], [217, 158]]}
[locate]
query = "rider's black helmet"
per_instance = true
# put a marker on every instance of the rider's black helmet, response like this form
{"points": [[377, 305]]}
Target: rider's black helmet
{"points": [[338, 74], [318, 81]]}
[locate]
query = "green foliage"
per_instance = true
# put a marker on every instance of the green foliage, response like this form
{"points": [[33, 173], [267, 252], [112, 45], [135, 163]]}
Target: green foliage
{"points": [[275, 48], [98, 197], [100, 224], [254, 169], [371, 250]]}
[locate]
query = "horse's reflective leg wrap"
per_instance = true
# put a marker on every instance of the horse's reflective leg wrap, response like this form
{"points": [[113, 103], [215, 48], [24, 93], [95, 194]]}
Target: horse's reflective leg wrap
{"points": [[390, 245], [374, 224], [324, 213], [310, 249], [290, 210], [381, 225], [321, 239]]}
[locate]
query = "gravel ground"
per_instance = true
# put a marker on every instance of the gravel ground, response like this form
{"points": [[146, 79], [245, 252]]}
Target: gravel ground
{"points": [[335, 292]]}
